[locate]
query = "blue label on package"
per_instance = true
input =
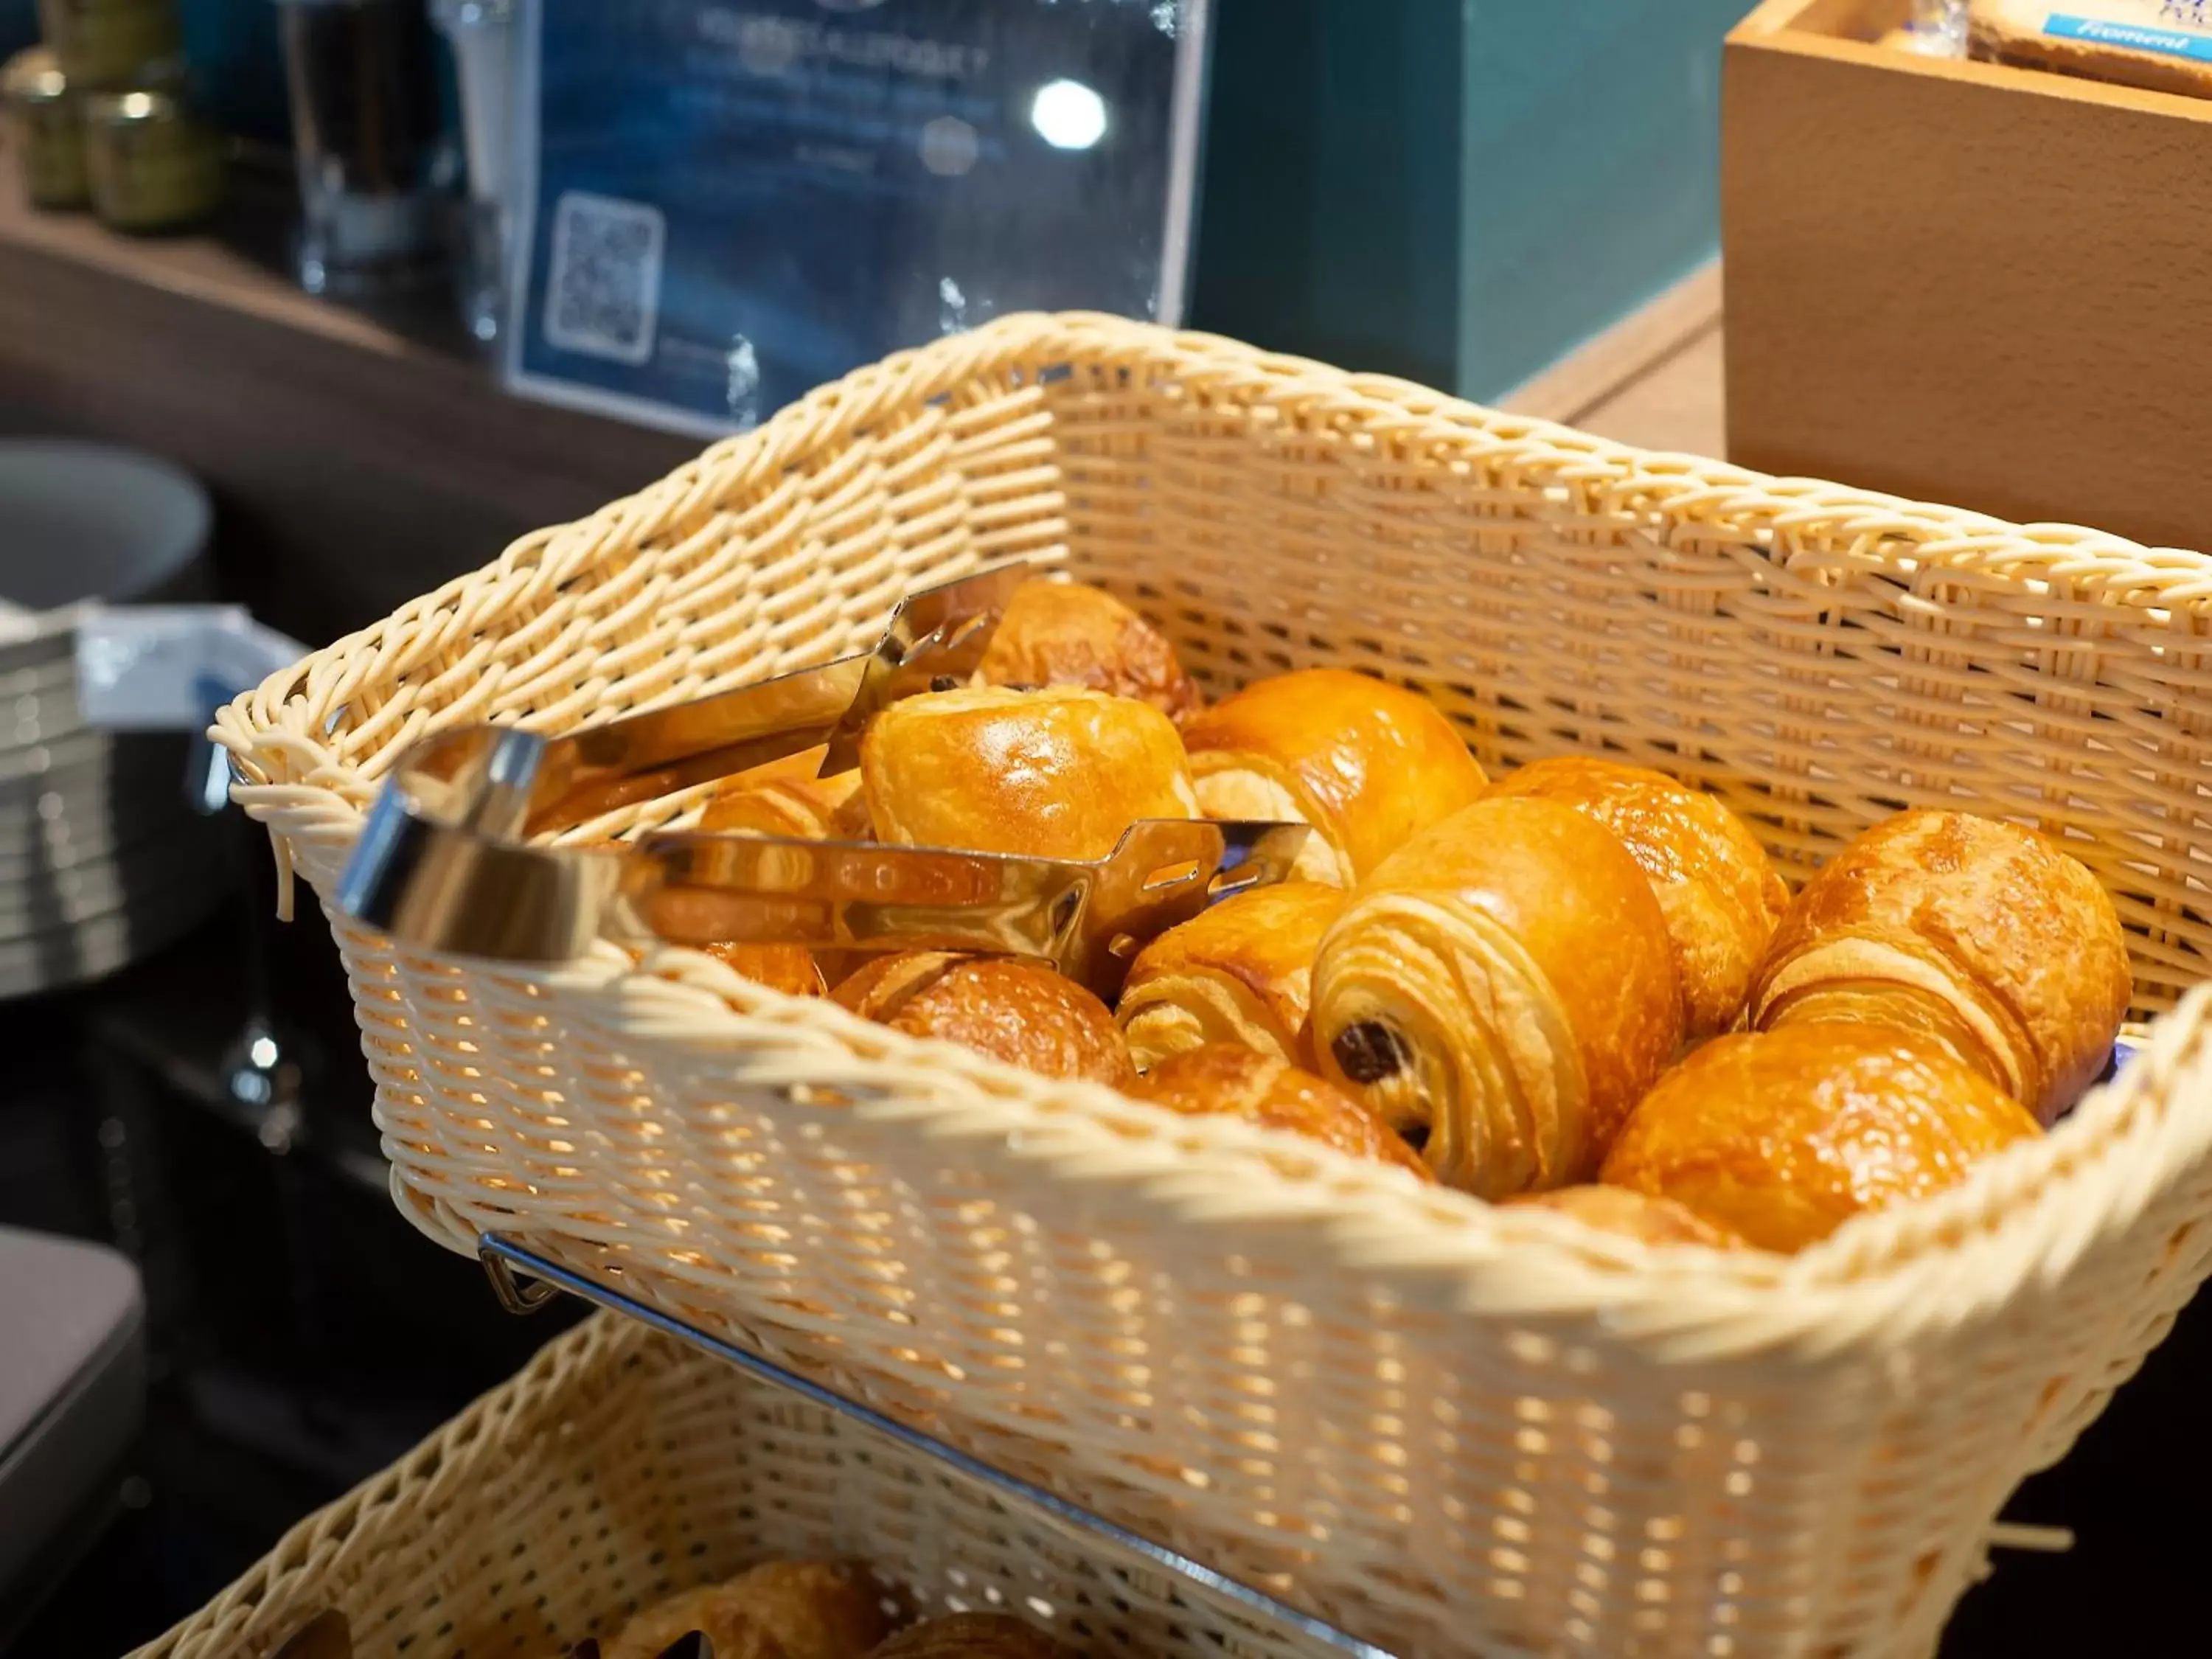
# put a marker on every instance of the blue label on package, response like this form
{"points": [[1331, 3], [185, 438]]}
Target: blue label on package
{"points": [[2135, 37], [724, 205]]}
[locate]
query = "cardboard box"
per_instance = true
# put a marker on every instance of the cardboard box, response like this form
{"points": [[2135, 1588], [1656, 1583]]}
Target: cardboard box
{"points": [[1965, 283]]}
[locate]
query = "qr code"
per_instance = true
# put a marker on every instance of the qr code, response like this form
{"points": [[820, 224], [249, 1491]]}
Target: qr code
{"points": [[602, 288]]}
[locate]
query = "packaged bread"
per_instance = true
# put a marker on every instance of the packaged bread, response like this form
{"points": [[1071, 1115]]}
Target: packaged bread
{"points": [[1503, 991], [1059, 773], [1370, 765], [2165, 46], [1980, 935], [1240, 972], [1721, 896], [1064, 633], [1018, 1011], [1783, 1136]]}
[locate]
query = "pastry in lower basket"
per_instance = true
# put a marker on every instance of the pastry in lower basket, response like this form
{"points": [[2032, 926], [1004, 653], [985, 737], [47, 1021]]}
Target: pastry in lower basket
{"points": [[1632, 1215], [1783, 1136], [784, 1610], [971, 1635], [1503, 988], [1071, 634], [1021, 1012], [1721, 896], [1984, 936], [1226, 1080], [1239, 972], [1369, 764], [1053, 774]]}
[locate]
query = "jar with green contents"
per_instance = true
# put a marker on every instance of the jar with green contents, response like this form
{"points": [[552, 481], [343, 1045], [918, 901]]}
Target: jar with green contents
{"points": [[151, 163], [106, 43], [44, 129]]}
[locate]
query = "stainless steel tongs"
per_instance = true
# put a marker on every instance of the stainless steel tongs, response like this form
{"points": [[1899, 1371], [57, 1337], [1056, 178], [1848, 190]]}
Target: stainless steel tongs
{"points": [[451, 858]]}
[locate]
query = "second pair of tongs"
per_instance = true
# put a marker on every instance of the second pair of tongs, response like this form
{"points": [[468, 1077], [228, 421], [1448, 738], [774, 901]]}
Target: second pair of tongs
{"points": [[451, 857]]}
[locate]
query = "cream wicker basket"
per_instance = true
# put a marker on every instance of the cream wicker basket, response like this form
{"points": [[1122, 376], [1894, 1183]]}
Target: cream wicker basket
{"points": [[1443, 1426], [620, 1467]]}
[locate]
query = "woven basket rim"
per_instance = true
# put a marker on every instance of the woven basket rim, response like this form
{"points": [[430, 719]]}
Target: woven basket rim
{"points": [[1885, 1279]]}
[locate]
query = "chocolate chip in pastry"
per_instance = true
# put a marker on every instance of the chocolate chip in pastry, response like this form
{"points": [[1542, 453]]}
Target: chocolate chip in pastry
{"points": [[1982, 935], [1239, 972], [1783, 1136], [1504, 982], [1369, 764], [1018, 1011]]}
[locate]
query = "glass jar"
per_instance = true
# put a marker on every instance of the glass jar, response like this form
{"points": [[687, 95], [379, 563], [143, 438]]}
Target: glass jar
{"points": [[151, 163], [104, 45], [44, 129]]}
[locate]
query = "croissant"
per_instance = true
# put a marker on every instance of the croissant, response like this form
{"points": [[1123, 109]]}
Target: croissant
{"points": [[1021, 1012], [790, 969], [1720, 896], [787, 798], [1055, 774], [1240, 972], [1071, 634], [1225, 1080], [784, 1610], [1783, 1136], [1367, 764], [1983, 936], [1632, 1215], [970, 1636], [1504, 986]]}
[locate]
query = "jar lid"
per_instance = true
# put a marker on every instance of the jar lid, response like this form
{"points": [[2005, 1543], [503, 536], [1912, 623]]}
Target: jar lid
{"points": [[35, 76], [143, 107]]}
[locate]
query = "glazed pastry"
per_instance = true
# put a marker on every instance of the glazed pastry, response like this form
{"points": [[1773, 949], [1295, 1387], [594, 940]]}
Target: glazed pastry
{"points": [[1783, 1136], [1983, 936], [1021, 1012], [1720, 896], [1240, 972], [1070, 634], [787, 798], [1502, 991], [1055, 774], [970, 1636], [790, 969], [1225, 1080], [1632, 1215], [784, 1610], [1370, 765]]}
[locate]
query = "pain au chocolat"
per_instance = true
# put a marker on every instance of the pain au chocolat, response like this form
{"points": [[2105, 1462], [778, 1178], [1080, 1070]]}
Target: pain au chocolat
{"points": [[1504, 987]]}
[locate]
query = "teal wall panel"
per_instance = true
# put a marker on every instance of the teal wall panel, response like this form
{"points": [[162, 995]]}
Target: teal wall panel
{"points": [[1457, 191]]}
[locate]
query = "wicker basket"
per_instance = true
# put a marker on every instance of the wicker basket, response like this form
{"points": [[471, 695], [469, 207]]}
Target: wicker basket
{"points": [[1439, 1425], [621, 1467]]}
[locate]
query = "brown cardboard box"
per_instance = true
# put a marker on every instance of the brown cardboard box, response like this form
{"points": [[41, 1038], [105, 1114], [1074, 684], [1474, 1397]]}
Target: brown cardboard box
{"points": [[1967, 282]]}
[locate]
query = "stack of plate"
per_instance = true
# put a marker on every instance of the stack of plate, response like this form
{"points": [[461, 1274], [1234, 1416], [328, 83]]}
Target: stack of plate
{"points": [[102, 858]]}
